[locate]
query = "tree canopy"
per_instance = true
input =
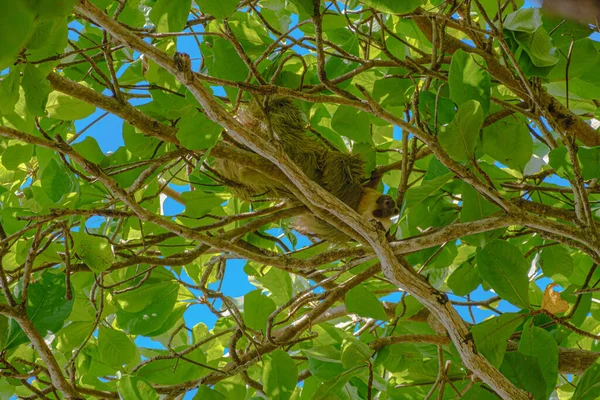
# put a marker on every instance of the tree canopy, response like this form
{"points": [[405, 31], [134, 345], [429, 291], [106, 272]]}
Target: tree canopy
{"points": [[129, 268]]}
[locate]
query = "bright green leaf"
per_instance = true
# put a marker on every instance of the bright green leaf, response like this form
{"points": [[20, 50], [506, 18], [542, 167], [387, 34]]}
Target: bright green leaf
{"points": [[556, 260], [279, 375], [115, 347], [589, 157], [95, 251], [36, 88], [9, 90], [588, 386], [196, 132], [362, 302], [170, 15], [505, 269], [67, 108], [416, 194], [509, 142], [464, 280], [257, 308], [525, 373], [16, 154], [16, 27], [491, 335], [206, 393], [469, 80], [354, 353], [89, 149], [218, 9], [132, 388], [47, 308], [151, 317], [460, 137], [198, 202], [540, 344], [523, 20], [352, 123], [393, 6], [57, 181]]}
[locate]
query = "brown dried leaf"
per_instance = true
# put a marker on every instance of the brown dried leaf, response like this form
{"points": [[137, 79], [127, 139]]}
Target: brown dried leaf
{"points": [[552, 301]]}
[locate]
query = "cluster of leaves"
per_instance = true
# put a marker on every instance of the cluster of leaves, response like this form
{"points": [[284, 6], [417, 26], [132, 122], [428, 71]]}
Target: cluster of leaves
{"points": [[479, 116]]}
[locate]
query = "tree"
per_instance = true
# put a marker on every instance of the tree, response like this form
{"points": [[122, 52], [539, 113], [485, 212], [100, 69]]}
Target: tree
{"points": [[479, 116]]}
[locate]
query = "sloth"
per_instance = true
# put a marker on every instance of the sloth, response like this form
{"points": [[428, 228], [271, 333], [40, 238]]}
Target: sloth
{"points": [[278, 119]]}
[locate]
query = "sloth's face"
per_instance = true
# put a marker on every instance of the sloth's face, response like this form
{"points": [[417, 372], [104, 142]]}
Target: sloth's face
{"points": [[386, 207]]}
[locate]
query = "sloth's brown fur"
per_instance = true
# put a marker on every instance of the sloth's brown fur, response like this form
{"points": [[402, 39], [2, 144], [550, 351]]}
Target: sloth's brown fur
{"points": [[339, 173]]}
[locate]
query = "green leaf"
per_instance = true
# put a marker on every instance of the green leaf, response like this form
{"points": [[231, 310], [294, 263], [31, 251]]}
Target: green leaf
{"points": [[588, 386], [401, 357], [46, 9], [324, 361], [560, 161], [525, 373], [196, 132], [138, 143], [524, 20], [393, 6], [67, 108], [16, 27], [170, 15], [46, 308], [468, 80], [408, 307], [218, 9], [173, 371], [354, 353], [556, 260], [257, 308], [352, 123], [584, 57], [459, 138], [427, 108], [198, 203], [49, 38], [151, 317], [57, 180], [206, 393], [476, 207], [558, 25], [89, 149], [538, 46], [73, 335], [9, 90], [540, 344], [304, 6], [226, 63], [505, 269], [36, 88], [509, 142], [362, 302], [16, 154], [478, 393], [589, 157], [115, 347], [491, 335], [132, 388], [331, 388], [416, 194], [279, 283], [279, 375], [95, 251], [133, 301], [464, 279]]}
